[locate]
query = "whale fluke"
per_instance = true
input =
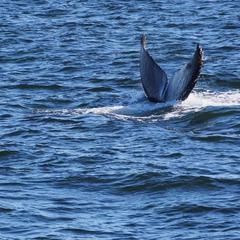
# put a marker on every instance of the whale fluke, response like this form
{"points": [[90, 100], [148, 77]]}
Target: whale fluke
{"points": [[154, 79], [155, 83]]}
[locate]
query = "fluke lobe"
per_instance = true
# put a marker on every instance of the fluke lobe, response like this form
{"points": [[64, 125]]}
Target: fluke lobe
{"points": [[155, 83]]}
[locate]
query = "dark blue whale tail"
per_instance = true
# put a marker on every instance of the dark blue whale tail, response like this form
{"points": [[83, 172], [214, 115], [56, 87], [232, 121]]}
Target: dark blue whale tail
{"points": [[155, 83]]}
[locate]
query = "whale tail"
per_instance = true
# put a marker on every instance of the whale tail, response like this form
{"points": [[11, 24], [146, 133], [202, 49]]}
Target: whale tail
{"points": [[154, 80]]}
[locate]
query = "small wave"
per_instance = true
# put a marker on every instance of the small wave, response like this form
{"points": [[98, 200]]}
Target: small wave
{"points": [[84, 231], [156, 183], [165, 181], [5, 210], [6, 115], [215, 138], [24, 86], [197, 208], [100, 89], [6, 153]]}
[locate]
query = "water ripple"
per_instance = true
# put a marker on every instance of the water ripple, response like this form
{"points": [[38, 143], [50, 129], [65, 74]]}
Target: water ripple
{"points": [[83, 153]]}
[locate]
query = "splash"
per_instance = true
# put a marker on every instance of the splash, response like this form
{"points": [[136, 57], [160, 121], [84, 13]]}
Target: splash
{"points": [[142, 110], [230, 98], [197, 101]]}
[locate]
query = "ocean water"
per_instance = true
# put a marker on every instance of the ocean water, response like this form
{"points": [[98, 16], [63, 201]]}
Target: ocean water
{"points": [[84, 155]]}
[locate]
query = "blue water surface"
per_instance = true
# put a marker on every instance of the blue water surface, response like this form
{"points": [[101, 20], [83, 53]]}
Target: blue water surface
{"points": [[84, 155]]}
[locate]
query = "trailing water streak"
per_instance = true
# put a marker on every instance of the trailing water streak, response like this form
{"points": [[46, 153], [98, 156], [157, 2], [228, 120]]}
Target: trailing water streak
{"points": [[145, 111]]}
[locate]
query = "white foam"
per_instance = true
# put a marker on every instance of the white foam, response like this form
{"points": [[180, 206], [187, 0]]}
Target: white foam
{"points": [[205, 99], [197, 101], [98, 110], [142, 110]]}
